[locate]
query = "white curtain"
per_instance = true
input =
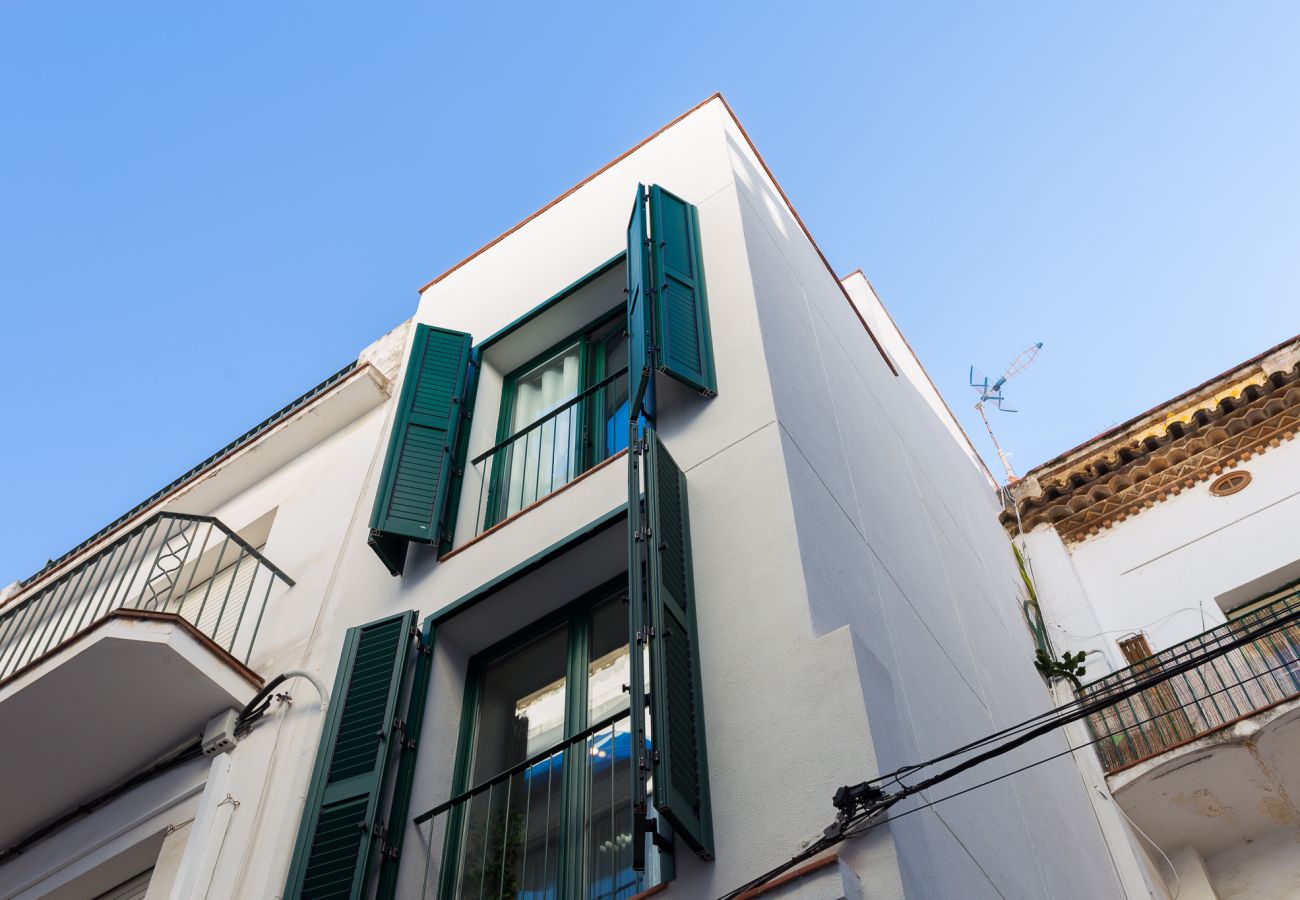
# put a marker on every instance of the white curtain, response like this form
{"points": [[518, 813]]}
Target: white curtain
{"points": [[546, 457]]}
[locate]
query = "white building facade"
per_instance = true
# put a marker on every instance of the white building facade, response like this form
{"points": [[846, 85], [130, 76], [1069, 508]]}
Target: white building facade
{"points": [[595, 579], [1167, 537]]}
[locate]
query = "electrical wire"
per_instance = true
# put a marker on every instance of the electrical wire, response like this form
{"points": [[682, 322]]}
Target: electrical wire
{"points": [[1120, 689], [1162, 619], [1178, 880], [855, 826]]}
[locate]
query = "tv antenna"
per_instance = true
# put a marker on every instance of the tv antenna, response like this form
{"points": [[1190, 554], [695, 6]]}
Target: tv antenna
{"points": [[992, 393]]}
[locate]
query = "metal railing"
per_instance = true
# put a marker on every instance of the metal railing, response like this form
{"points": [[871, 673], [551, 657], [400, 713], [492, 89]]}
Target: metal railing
{"points": [[545, 455], [513, 835], [1244, 680], [193, 566]]}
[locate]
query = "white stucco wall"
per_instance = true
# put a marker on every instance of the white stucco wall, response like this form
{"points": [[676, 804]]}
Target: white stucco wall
{"points": [[1267, 868], [900, 546]]}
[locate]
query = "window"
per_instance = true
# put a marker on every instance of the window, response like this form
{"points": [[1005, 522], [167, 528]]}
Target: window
{"points": [[546, 756], [1227, 485], [560, 415]]}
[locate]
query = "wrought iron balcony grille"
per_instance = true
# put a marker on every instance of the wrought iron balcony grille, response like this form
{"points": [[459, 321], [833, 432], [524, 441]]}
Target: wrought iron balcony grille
{"points": [[1245, 680], [192, 566], [547, 454]]}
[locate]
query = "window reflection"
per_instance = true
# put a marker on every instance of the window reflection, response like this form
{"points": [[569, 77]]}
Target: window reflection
{"points": [[520, 837]]}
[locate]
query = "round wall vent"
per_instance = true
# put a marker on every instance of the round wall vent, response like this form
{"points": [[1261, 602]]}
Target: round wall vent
{"points": [[1228, 484]]}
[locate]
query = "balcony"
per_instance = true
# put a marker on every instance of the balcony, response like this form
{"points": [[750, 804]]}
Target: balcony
{"points": [[1214, 695], [548, 454], [1209, 758], [503, 837], [123, 658]]}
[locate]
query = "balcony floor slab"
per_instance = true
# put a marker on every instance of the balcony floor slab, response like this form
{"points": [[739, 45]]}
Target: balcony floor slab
{"points": [[103, 706]]}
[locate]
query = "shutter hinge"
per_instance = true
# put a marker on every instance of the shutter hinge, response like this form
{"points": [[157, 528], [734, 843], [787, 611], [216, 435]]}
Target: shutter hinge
{"points": [[390, 852], [407, 742], [644, 635], [641, 534]]}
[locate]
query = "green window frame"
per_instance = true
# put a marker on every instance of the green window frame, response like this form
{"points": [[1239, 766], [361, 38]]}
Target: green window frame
{"points": [[592, 342], [574, 859]]}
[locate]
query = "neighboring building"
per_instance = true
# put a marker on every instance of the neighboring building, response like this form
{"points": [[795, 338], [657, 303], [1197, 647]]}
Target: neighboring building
{"points": [[442, 536], [1168, 536]]}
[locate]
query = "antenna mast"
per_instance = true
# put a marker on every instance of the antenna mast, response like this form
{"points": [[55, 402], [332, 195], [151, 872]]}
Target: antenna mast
{"points": [[993, 392]]}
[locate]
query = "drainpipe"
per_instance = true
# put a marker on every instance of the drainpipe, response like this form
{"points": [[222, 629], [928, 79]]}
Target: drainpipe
{"points": [[212, 818]]}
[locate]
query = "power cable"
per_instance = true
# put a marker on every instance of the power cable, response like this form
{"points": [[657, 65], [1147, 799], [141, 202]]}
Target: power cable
{"points": [[1178, 879], [1121, 689], [876, 802]]}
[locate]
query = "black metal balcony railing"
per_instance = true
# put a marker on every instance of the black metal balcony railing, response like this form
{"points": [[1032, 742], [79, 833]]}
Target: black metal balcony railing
{"points": [[1244, 680], [549, 453], [193, 566], [513, 835]]}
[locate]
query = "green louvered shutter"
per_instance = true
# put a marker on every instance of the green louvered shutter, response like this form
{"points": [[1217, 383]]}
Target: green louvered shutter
{"points": [[398, 820], [681, 778], [685, 346], [640, 315], [418, 467], [343, 817]]}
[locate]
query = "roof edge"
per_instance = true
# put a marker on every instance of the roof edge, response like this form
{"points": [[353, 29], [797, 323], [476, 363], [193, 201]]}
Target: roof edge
{"points": [[1117, 431], [767, 170]]}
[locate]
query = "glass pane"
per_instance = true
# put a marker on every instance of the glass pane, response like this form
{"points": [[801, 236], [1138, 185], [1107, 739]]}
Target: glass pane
{"points": [[607, 825], [615, 400], [547, 456], [511, 842], [607, 671], [512, 836], [521, 705]]}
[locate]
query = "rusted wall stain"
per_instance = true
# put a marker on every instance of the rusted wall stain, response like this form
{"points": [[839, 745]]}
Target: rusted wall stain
{"points": [[1203, 802]]}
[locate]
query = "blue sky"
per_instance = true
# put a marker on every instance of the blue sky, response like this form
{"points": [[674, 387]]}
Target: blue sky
{"points": [[204, 210]]}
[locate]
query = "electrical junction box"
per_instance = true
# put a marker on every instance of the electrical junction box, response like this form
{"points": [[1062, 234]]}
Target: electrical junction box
{"points": [[219, 734]]}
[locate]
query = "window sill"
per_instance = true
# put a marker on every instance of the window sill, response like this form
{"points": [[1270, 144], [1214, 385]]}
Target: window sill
{"points": [[555, 493], [793, 875]]}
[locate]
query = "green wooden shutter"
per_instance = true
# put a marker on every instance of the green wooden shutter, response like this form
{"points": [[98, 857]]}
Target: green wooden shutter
{"points": [[640, 311], [419, 465], [343, 817], [405, 781], [681, 788], [684, 345]]}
